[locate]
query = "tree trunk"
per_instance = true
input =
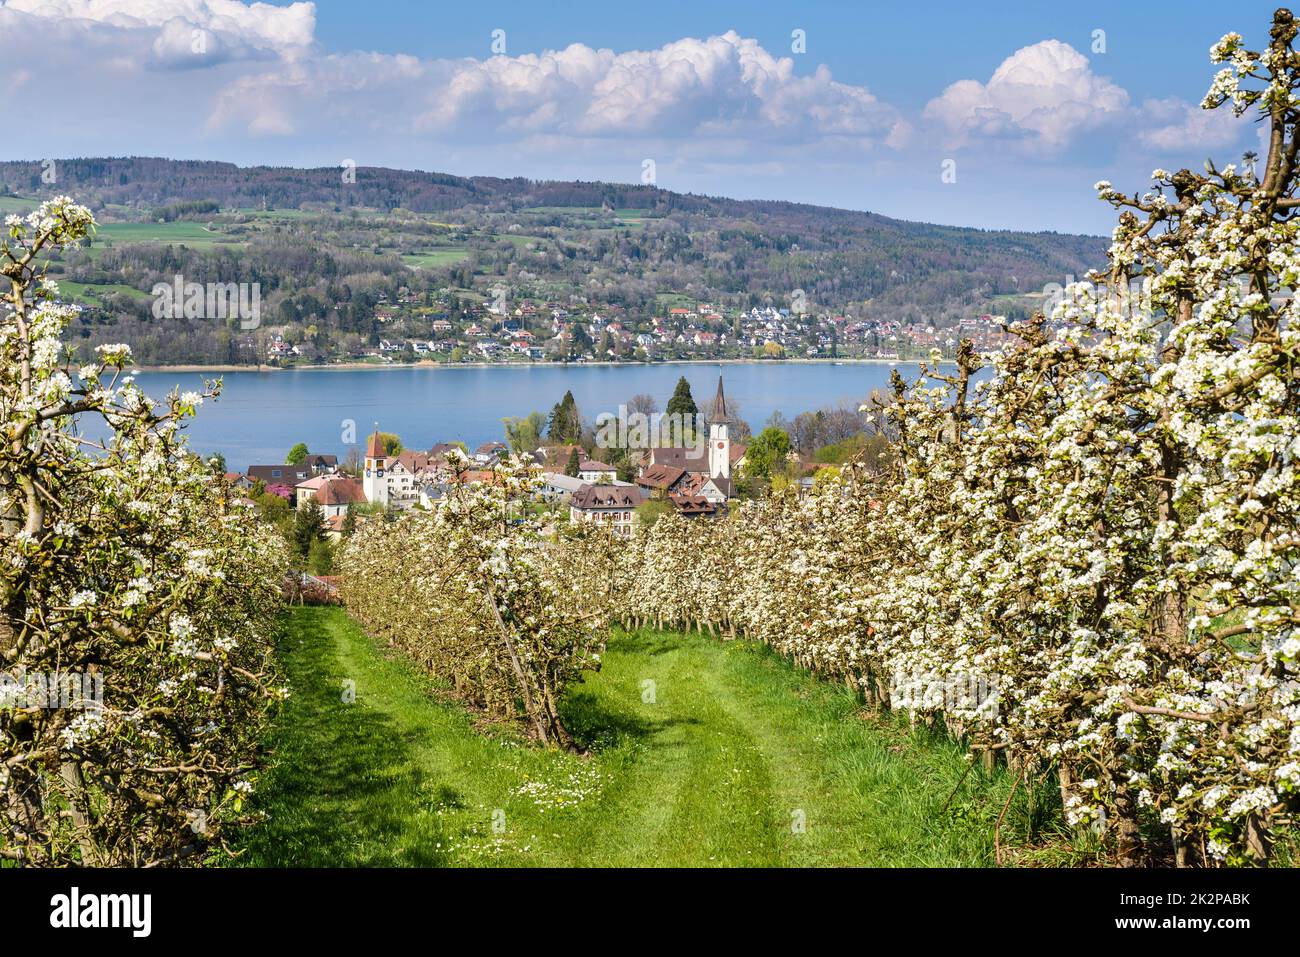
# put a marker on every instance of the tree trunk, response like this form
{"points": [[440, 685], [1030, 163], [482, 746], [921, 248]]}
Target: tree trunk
{"points": [[1182, 848], [1131, 850], [1257, 839]]}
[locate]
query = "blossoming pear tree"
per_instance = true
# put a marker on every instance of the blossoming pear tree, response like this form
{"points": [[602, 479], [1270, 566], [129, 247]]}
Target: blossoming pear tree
{"points": [[1081, 557], [1099, 533], [478, 595], [129, 574]]}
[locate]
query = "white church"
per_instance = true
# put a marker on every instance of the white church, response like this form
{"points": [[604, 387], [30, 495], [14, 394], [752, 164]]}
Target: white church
{"points": [[689, 473]]}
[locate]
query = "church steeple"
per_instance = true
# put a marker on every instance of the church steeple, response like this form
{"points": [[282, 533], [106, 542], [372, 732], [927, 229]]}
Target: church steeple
{"points": [[373, 483], [719, 437], [720, 405]]}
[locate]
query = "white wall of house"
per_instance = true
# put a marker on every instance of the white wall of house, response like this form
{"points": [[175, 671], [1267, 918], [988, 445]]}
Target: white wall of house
{"points": [[620, 519], [712, 493]]}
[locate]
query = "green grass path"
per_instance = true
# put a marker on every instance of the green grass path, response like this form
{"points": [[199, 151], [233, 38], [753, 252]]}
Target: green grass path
{"points": [[738, 760]]}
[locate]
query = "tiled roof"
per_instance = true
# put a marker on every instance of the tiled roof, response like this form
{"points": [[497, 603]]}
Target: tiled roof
{"points": [[279, 474], [686, 459], [341, 492], [559, 454], [607, 496], [411, 460], [692, 505], [478, 476], [660, 476]]}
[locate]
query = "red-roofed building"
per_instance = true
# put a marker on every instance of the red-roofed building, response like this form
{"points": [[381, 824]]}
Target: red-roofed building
{"points": [[695, 506], [334, 493], [610, 506], [660, 478]]}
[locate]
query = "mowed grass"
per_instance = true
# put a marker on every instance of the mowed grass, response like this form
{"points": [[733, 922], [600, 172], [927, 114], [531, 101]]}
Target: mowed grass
{"points": [[730, 758], [433, 258], [179, 232], [95, 292], [17, 204]]}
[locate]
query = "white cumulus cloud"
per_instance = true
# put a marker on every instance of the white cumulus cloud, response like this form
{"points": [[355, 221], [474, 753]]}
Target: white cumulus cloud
{"points": [[187, 33], [248, 81], [1046, 93], [1172, 124], [721, 86]]}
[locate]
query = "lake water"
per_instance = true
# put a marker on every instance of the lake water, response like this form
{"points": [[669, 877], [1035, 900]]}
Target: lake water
{"points": [[261, 415]]}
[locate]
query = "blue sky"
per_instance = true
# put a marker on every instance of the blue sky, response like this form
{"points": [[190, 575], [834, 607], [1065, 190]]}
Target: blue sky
{"points": [[1026, 102]]}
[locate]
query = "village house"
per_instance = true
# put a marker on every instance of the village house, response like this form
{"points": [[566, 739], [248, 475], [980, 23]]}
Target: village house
{"points": [[289, 475], [490, 452], [611, 506], [661, 479], [321, 464], [439, 452], [558, 487], [696, 506], [401, 479], [556, 457], [674, 483], [592, 470], [334, 493]]}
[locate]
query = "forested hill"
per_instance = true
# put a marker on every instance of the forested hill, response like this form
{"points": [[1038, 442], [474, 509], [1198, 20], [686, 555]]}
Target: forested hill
{"points": [[328, 247], [1005, 260], [152, 181]]}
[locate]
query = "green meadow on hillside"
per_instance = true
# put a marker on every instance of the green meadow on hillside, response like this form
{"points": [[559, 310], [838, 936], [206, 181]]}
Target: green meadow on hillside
{"points": [[180, 232]]}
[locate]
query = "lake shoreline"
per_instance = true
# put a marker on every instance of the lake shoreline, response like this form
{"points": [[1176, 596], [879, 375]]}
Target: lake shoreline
{"points": [[370, 366], [258, 417]]}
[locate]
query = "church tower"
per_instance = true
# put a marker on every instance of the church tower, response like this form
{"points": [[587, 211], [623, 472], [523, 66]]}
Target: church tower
{"points": [[719, 439], [374, 484]]}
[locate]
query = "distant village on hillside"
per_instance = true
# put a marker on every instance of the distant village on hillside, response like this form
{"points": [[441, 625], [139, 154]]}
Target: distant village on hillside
{"points": [[446, 329]]}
